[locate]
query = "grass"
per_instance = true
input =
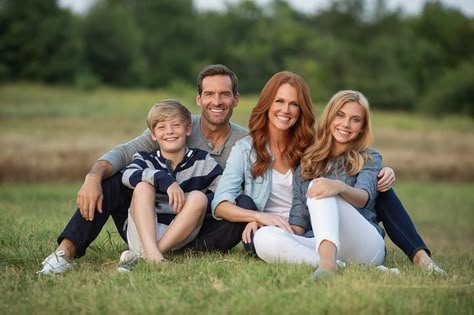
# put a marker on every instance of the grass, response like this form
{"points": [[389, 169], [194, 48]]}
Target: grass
{"points": [[51, 135], [31, 216]]}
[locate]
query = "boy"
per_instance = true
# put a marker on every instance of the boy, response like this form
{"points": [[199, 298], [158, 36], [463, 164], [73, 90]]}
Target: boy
{"points": [[173, 180]]}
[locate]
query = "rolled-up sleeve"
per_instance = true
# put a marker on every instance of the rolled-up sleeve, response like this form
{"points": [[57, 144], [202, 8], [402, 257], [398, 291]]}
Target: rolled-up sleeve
{"points": [[121, 155], [230, 183], [299, 214], [367, 177]]}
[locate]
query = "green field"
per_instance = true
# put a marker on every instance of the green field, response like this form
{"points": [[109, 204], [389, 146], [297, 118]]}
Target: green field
{"points": [[51, 136], [214, 283]]}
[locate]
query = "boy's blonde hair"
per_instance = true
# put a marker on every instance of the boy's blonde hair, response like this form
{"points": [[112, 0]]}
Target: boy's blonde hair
{"points": [[168, 109]]}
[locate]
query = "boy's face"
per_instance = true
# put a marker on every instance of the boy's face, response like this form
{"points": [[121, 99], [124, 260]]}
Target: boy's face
{"points": [[171, 134]]}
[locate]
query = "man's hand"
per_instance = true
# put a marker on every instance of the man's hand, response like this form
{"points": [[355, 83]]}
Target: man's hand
{"points": [[176, 197], [386, 178], [90, 196], [250, 228]]}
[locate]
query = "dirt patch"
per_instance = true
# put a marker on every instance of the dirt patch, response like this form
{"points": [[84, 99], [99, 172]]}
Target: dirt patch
{"points": [[428, 155], [414, 155]]}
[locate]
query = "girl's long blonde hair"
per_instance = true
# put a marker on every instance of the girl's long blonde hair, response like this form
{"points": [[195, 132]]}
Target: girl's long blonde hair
{"points": [[301, 134], [314, 162]]}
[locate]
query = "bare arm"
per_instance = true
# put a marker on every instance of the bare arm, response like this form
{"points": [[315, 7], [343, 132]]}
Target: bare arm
{"points": [[90, 195], [325, 187], [355, 196], [298, 230], [234, 213]]}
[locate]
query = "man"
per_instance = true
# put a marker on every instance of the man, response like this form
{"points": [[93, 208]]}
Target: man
{"points": [[102, 193]]}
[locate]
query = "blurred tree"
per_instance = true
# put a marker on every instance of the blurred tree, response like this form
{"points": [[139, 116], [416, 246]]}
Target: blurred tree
{"points": [[38, 41], [222, 38], [452, 93], [448, 28], [398, 61], [113, 45], [169, 31]]}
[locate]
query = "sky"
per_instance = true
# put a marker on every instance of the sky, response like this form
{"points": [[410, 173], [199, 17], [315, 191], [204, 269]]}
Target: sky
{"points": [[408, 6]]}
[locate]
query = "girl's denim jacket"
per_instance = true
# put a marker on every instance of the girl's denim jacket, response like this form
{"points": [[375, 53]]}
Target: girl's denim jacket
{"points": [[237, 178], [366, 179]]}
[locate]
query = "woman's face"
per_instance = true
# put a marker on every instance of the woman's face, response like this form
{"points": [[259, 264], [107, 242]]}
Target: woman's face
{"points": [[285, 110], [347, 124]]}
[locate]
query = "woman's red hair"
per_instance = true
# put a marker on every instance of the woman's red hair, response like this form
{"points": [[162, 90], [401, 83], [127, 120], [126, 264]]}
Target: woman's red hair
{"points": [[301, 134]]}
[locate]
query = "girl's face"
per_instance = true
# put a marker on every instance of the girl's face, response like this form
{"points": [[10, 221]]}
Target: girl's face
{"points": [[347, 125], [285, 110]]}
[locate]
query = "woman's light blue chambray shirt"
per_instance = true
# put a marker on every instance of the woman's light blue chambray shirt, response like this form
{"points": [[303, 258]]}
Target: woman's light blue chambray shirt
{"points": [[366, 179], [237, 177]]}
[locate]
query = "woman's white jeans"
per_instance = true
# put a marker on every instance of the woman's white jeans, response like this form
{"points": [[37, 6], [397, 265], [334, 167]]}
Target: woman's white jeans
{"points": [[332, 219]]}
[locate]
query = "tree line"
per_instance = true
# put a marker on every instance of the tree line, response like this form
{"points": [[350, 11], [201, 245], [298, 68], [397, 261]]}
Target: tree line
{"points": [[423, 62]]}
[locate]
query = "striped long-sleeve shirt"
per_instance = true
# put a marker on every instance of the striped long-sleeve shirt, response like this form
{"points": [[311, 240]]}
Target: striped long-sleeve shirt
{"points": [[197, 171]]}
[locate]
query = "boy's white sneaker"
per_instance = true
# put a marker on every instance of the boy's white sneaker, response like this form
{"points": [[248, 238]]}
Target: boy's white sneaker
{"points": [[394, 271], [55, 263], [128, 260]]}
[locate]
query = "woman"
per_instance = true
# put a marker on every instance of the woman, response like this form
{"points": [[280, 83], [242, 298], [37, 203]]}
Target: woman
{"points": [[261, 165], [334, 195]]}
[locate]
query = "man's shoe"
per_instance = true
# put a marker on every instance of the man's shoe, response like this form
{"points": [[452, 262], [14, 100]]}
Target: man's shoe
{"points": [[434, 268], [55, 263], [128, 260]]}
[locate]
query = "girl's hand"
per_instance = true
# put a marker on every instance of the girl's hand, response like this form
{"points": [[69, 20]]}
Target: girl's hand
{"points": [[324, 188], [251, 227], [386, 178]]}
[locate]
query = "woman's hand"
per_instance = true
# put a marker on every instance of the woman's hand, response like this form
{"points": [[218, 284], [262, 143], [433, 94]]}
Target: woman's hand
{"points": [[251, 227], [273, 219]]}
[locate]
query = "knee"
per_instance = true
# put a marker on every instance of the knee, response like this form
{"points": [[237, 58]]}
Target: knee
{"points": [[265, 240], [196, 203], [197, 198], [144, 188], [245, 202]]}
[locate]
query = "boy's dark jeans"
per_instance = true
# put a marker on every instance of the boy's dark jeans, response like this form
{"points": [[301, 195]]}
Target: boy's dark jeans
{"points": [[214, 234], [398, 224]]}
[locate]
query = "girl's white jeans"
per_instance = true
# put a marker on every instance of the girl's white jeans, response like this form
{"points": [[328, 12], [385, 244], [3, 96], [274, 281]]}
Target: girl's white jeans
{"points": [[332, 219]]}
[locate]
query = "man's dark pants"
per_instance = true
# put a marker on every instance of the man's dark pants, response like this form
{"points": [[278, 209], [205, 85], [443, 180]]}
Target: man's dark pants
{"points": [[214, 234]]}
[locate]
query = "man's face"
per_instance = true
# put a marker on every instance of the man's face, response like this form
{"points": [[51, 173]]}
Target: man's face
{"points": [[217, 101]]}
